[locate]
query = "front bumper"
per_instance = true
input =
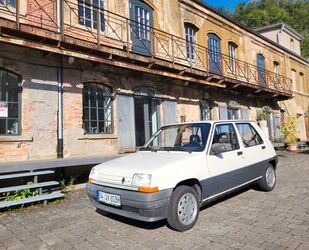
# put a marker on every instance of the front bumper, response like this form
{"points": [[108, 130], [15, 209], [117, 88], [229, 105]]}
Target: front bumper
{"points": [[147, 207]]}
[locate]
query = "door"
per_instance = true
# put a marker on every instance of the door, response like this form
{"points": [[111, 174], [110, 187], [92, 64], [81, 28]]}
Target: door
{"points": [[214, 48], [146, 119], [126, 124], [307, 126], [169, 112], [261, 69], [224, 167], [141, 16]]}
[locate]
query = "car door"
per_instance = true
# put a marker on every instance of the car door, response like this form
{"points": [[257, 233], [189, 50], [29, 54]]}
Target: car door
{"points": [[223, 167], [254, 151]]}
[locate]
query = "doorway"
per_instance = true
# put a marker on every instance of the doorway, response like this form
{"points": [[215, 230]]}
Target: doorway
{"points": [[214, 46], [147, 112], [261, 69]]}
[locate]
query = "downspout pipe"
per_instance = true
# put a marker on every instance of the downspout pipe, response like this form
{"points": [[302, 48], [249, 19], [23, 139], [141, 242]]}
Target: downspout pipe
{"points": [[60, 88]]}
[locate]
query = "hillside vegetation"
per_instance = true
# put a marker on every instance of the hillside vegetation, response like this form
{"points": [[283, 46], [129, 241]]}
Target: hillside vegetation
{"points": [[259, 13]]}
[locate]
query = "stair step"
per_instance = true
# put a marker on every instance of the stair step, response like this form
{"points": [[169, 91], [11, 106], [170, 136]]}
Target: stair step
{"points": [[26, 174], [42, 197], [34, 185]]}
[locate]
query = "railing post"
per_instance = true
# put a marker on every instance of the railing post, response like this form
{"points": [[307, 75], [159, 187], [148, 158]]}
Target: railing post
{"points": [[128, 36], [173, 50], [17, 13], [98, 26], [152, 41], [60, 23]]}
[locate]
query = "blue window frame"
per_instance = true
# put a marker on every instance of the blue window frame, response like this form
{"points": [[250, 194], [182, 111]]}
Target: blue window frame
{"points": [[214, 48], [190, 33], [88, 13], [261, 69]]}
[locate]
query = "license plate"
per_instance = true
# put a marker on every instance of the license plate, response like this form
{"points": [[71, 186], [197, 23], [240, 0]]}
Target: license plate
{"points": [[110, 199]]}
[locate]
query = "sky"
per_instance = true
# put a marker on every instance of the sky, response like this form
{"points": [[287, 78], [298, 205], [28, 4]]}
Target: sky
{"points": [[224, 3]]}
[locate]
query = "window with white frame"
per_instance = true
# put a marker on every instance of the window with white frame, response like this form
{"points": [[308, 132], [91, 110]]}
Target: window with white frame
{"points": [[10, 103], [301, 82], [205, 107], [276, 68], [190, 32], [88, 13], [97, 109], [232, 56], [9, 3]]}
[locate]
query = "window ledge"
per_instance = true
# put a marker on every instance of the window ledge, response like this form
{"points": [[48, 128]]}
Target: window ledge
{"points": [[16, 138], [97, 137]]}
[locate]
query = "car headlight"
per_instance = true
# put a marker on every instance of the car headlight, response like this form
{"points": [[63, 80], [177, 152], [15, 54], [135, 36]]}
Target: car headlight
{"points": [[92, 174], [141, 180], [143, 183]]}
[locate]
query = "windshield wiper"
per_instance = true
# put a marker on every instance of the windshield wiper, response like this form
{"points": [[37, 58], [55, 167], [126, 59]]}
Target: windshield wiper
{"points": [[148, 149]]}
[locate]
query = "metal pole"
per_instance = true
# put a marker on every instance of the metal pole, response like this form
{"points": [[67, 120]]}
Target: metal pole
{"points": [[60, 110], [60, 84]]}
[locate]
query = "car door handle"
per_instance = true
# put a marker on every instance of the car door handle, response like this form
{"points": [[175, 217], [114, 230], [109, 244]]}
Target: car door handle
{"points": [[240, 153], [263, 147]]}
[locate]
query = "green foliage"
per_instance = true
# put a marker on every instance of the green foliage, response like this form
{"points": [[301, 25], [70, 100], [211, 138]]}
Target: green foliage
{"points": [[289, 129], [67, 186], [259, 13], [22, 194]]}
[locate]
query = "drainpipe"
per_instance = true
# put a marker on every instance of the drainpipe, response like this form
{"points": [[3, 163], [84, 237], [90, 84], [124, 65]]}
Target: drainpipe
{"points": [[60, 84]]}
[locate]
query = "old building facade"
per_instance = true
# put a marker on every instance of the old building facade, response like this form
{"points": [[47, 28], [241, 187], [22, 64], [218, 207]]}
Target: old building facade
{"points": [[99, 77]]}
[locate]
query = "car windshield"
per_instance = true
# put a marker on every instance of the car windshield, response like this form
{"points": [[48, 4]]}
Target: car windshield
{"points": [[183, 137]]}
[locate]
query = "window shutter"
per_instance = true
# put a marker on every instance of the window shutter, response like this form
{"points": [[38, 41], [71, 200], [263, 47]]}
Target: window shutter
{"points": [[223, 113], [169, 112], [244, 114]]}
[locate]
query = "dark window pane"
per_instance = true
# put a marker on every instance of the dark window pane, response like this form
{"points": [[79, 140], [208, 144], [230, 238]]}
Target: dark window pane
{"points": [[86, 126], [101, 114], [2, 126], [13, 127], [86, 113], [93, 102], [80, 12], [94, 114], [3, 86], [101, 127], [13, 110]]}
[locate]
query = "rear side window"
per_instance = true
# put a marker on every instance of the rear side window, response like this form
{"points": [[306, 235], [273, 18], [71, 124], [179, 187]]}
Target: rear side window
{"points": [[249, 135], [225, 135]]}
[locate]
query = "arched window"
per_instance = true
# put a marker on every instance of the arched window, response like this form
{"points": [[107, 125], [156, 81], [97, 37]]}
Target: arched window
{"points": [[214, 49], [232, 47], [301, 82], [88, 13], [10, 103], [190, 33], [97, 109], [276, 68], [261, 69]]}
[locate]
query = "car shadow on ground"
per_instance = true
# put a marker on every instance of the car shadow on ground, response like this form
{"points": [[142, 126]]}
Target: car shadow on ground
{"points": [[136, 223], [162, 223], [304, 152]]}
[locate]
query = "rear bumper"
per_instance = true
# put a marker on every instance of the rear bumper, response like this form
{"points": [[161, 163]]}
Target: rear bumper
{"points": [[147, 207]]}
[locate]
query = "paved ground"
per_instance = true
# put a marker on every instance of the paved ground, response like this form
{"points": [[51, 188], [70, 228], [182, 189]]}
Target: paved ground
{"points": [[248, 220]]}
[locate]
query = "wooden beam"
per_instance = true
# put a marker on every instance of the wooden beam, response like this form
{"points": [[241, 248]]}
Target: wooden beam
{"points": [[258, 91], [84, 56]]}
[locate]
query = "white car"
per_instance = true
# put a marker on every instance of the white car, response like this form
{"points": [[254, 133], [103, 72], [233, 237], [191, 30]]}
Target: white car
{"points": [[181, 168]]}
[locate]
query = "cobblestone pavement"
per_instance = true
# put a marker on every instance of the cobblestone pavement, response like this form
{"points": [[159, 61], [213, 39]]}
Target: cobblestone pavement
{"points": [[248, 220]]}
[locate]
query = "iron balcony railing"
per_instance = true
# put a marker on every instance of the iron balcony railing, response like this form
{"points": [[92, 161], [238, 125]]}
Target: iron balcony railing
{"points": [[109, 29]]}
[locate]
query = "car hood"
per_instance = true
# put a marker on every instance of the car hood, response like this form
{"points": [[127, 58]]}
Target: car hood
{"points": [[120, 171]]}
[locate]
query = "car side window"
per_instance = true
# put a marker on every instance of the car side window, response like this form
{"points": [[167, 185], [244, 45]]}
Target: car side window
{"points": [[249, 135], [225, 137]]}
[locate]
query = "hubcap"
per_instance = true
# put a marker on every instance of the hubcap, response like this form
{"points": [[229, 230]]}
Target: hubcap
{"points": [[270, 177], [187, 208]]}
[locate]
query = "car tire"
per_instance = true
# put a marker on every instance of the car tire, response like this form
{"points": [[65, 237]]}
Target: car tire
{"points": [[268, 181], [183, 209]]}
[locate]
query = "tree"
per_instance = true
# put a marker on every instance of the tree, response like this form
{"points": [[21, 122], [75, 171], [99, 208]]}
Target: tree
{"points": [[259, 13]]}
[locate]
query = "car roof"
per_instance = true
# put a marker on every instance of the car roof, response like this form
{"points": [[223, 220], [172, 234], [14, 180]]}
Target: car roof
{"points": [[211, 122]]}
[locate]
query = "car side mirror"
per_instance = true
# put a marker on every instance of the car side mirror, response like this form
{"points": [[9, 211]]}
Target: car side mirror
{"points": [[217, 148]]}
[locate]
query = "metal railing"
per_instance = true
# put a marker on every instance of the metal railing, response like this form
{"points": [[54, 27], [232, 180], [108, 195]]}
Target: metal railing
{"points": [[109, 29]]}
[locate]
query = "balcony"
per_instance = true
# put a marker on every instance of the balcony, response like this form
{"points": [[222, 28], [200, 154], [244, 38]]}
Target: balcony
{"points": [[125, 43]]}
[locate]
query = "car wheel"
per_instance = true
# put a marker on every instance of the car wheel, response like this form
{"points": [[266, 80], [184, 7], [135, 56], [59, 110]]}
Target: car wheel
{"points": [[183, 209], [268, 181]]}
